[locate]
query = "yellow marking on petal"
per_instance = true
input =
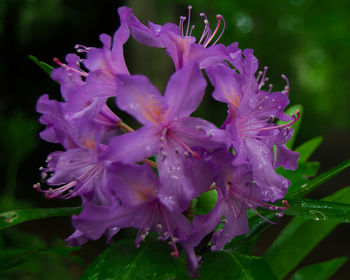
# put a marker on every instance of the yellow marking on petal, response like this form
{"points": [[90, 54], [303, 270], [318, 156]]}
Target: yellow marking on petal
{"points": [[144, 193], [150, 109], [232, 97], [89, 143]]}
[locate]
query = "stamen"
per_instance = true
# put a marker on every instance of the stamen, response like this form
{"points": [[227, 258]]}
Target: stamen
{"points": [[81, 48], [173, 239], [206, 29], [184, 145], [219, 18], [223, 29], [263, 79], [259, 76], [286, 88], [189, 19], [262, 217], [68, 68], [275, 207], [192, 27], [182, 19], [296, 117], [270, 88]]}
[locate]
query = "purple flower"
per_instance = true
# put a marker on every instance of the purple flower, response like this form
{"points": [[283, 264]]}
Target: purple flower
{"points": [[168, 131], [137, 205], [251, 112], [85, 136], [179, 43], [78, 87]]}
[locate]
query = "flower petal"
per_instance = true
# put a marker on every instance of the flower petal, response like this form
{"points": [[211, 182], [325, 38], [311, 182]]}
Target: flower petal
{"points": [[286, 158], [140, 98], [132, 147], [131, 189], [226, 83], [185, 91]]}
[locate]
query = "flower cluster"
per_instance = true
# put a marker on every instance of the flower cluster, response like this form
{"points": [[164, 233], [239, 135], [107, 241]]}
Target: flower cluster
{"points": [[147, 178]]}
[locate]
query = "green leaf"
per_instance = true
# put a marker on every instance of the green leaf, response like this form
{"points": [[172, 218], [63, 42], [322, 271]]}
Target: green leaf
{"points": [[296, 125], [306, 149], [256, 226], [319, 210], [10, 262], [14, 217], [299, 237], [314, 183], [44, 66], [206, 201], [319, 271], [300, 176], [10, 258], [123, 261], [221, 265]]}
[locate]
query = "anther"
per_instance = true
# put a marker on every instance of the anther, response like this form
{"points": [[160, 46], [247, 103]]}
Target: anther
{"points": [[279, 215], [159, 226], [270, 88], [219, 18], [142, 237]]}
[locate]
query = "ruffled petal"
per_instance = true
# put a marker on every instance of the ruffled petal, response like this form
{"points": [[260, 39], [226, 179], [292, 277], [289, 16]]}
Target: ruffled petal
{"points": [[237, 224], [286, 158], [272, 185], [185, 91], [226, 83], [140, 98], [133, 147], [196, 132], [131, 189]]}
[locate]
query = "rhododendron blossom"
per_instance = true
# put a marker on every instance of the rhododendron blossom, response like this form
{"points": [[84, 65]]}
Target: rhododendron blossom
{"points": [[148, 178]]}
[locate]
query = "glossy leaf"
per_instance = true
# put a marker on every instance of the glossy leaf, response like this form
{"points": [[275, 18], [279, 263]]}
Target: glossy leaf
{"points": [[298, 177], [319, 271], [306, 149], [319, 210], [123, 261], [10, 262], [206, 202], [314, 183], [44, 66], [299, 237], [223, 265], [256, 226], [14, 217], [10, 258]]}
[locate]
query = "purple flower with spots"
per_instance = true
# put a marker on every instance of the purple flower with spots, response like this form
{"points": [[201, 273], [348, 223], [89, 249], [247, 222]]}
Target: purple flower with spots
{"points": [[148, 179], [179, 43], [250, 120], [136, 205], [168, 131]]}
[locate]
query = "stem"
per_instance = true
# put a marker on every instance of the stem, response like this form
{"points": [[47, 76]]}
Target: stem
{"points": [[125, 127], [151, 163]]}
